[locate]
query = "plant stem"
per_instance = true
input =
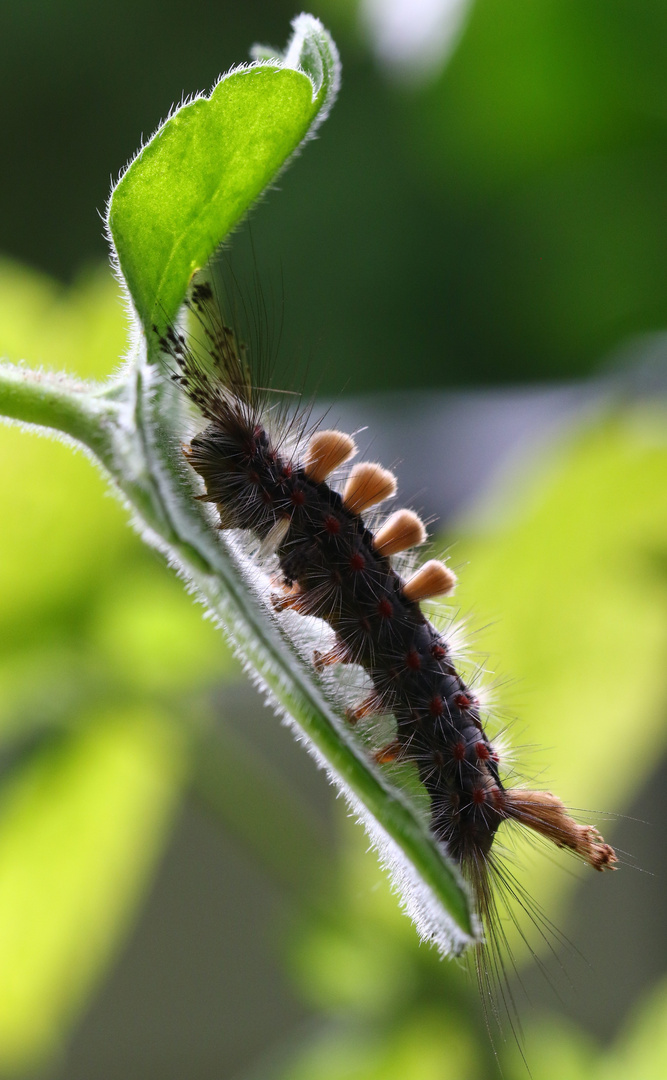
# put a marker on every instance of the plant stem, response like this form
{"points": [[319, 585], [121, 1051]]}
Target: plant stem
{"points": [[55, 401]]}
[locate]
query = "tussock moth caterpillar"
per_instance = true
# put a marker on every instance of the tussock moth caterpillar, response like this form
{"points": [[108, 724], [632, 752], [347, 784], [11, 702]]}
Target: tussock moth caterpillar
{"points": [[273, 480]]}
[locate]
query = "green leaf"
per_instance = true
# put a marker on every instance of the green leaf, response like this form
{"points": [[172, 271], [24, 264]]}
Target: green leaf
{"points": [[81, 825], [196, 178]]}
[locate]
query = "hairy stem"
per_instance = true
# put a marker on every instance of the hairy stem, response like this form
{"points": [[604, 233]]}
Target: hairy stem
{"points": [[55, 401]]}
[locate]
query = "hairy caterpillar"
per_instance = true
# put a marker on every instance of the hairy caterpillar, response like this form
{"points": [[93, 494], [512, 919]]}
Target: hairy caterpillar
{"points": [[332, 565]]}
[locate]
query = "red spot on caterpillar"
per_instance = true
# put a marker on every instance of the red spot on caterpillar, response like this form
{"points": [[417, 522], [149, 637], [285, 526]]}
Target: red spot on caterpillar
{"points": [[482, 751], [413, 660], [253, 477], [287, 470], [463, 701], [298, 497], [385, 609], [478, 796], [332, 525], [459, 751], [357, 561], [365, 625], [438, 652], [436, 706]]}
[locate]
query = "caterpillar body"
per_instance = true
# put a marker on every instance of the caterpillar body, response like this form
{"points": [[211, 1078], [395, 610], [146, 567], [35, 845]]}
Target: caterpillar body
{"points": [[333, 566]]}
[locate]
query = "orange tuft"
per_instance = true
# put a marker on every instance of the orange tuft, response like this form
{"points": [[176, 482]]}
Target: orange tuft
{"points": [[546, 814], [402, 530], [367, 485], [325, 452], [432, 579]]}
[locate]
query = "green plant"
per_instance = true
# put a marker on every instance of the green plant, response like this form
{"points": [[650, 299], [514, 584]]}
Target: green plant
{"points": [[177, 201], [132, 425]]}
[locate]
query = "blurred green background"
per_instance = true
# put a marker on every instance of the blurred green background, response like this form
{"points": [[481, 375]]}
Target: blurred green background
{"points": [[475, 244]]}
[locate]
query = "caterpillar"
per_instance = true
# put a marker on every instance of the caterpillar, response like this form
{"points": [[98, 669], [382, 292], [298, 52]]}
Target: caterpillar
{"points": [[333, 565]]}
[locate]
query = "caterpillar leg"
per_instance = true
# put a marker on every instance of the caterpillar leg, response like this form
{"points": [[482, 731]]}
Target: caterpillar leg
{"points": [[338, 654], [389, 753], [373, 705], [290, 597]]}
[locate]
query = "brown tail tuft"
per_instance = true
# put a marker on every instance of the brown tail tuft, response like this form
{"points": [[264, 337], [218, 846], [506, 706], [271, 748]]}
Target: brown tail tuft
{"points": [[546, 814]]}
